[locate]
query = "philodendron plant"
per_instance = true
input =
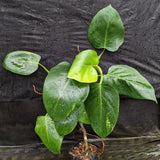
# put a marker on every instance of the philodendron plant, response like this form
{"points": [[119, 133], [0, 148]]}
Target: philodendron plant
{"points": [[81, 92]]}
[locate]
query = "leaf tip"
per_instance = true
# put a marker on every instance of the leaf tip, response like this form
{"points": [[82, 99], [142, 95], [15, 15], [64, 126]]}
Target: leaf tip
{"points": [[156, 101]]}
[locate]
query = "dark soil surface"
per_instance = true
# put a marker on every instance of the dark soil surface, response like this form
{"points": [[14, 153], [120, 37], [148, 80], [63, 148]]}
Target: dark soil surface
{"points": [[81, 152]]}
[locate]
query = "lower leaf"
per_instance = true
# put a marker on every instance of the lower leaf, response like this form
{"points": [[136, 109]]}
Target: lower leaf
{"points": [[60, 94], [102, 106], [45, 128], [67, 125]]}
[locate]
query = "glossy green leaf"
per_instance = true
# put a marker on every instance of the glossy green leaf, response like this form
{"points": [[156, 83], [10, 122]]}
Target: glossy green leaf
{"points": [[45, 128], [128, 81], [106, 30], [83, 69], [60, 94], [21, 62], [67, 125], [102, 106], [83, 118]]}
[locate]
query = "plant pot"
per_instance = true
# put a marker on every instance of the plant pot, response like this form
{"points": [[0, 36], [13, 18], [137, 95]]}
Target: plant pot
{"points": [[81, 143]]}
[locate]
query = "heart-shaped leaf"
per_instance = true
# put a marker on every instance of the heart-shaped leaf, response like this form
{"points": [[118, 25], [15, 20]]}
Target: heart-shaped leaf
{"points": [[67, 125], [102, 106], [45, 128], [129, 82], [21, 62], [106, 30], [83, 69], [60, 94]]}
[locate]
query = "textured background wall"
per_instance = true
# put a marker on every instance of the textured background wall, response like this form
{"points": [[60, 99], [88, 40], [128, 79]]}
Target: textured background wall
{"points": [[53, 29]]}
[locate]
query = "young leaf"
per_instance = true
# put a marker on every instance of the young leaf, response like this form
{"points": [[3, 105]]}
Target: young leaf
{"points": [[83, 69], [45, 128], [129, 82], [102, 106], [106, 30], [21, 62], [60, 94]]}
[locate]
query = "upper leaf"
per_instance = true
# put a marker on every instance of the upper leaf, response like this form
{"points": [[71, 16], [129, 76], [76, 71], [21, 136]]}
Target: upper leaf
{"points": [[21, 62], [60, 94], [102, 106], [83, 69], [128, 81], [106, 30], [45, 128]]}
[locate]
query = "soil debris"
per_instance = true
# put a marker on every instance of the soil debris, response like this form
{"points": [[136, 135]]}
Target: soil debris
{"points": [[81, 152]]}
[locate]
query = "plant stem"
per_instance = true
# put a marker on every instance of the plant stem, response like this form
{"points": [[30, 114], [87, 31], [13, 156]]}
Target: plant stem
{"points": [[100, 71], [101, 53], [84, 135], [44, 67]]}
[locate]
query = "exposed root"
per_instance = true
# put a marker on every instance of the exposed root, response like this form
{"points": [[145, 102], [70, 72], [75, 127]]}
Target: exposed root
{"points": [[80, 151], [97, 138], [36, 90], [78, 49]]}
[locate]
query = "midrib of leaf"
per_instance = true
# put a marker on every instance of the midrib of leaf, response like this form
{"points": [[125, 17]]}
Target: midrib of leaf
{"points": [[110, 107], [61, 93], [129, 81], [37, 63], [100, 99], [89, 66], [106, 35], [33, 62]]}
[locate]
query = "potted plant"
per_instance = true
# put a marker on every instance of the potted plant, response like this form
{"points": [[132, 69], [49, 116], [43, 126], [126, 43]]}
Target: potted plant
{"points": [[81, 92]]}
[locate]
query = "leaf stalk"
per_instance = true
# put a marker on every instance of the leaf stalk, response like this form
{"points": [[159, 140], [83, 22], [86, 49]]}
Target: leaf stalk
{"points": [[84, 135], [44, 67], [101, 53], [101, 73]]}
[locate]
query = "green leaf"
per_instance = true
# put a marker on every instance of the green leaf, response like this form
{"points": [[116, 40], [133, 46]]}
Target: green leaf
{"points": [[106, 30], [60, 94], [83, 69], [129, 82], [102, 106], [45, 128], [21, 62], [67, 125], [83, 118]]}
